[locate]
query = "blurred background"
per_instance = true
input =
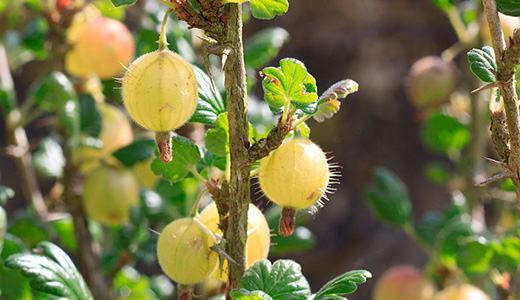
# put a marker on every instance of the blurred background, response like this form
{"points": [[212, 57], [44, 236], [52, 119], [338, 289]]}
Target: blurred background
{"points": [[375, 43]]}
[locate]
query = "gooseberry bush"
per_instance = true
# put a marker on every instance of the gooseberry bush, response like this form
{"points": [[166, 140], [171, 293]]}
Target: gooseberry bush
{"points": [[473, 247], [150, 160]]}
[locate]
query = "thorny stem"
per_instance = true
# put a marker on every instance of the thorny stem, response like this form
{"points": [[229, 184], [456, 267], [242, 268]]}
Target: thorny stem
{"points": [[235, 82], [506, 75]]}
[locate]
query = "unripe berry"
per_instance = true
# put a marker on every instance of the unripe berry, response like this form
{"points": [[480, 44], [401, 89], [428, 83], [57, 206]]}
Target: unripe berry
{"points": [[184, 253], [101, 46], [116, 132], [145, 175], [109, 193], [258, 234], [295, 175], [431, 82], [160, 91], [461, 292], [403, 283]]}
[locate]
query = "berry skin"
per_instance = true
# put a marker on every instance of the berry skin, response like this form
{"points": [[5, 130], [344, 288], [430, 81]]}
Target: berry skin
{"points": [[295, 175], [109, 193], [431, 82], [403, 283], [116, 132], [160, 91], [461, 292], [184, 253], [101, 46], [258, 235]]}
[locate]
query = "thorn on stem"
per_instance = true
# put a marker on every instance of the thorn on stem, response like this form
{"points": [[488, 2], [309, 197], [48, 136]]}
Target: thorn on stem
{"points": [[487, 86], [502, 175], [496, 162]]}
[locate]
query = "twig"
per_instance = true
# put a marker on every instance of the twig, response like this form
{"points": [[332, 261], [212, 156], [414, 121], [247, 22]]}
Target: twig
{"points": [[88, 256], [18, 138], [235, 83], [506, 59]]}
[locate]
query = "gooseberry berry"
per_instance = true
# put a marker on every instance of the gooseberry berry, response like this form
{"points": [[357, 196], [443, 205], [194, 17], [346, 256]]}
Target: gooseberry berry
{"points": [[116, 132], [184, 253], [109, 193], [403, 283], [295, 175], [258, 234], [461, 292], [101, 46], [145, 175], [431, 81], [160, 91]]}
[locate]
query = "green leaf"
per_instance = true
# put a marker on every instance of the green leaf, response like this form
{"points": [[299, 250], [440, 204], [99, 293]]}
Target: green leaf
{"points": [[475, 257], [243, 294], [217, 139], [49, 160], [91, 120], [210, 104], [51, 271], [483, 64], [444, 5], [388, 198], [509, 7], [444, 134], [13, 285], [133, 285], [34, 36], [328, 104], [506, 253], [289, 82], [455, 231], [301, 240], [64, 228], [6, 193], [282, 280], [55, 93], [429, 226], [30, 232], [138, 151], [123, 2], [264, 46], [185, 156], [210, 160], [217, 142], [268, 9], [342, 285], [7, 98]]}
